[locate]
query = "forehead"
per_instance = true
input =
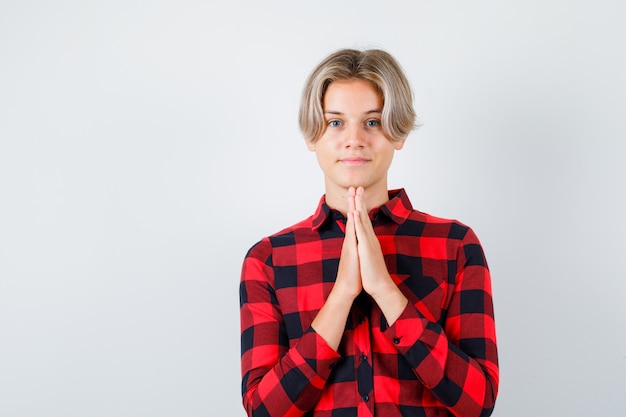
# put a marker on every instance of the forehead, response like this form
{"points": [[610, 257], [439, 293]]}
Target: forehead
{"points": [[353, 94]]}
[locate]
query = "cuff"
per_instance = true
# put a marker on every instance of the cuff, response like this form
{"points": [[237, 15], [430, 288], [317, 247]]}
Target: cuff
{"points": [[407, 329], [315, 352]]}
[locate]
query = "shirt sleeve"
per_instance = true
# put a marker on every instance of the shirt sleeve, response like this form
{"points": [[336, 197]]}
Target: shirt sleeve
{"points": [[277, 379], [457, 361]]}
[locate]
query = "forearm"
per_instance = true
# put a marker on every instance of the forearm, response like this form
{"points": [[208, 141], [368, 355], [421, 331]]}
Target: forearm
{"points": [[461, 375], [280, 376], [390, 300], [456, 358], [330, 321], [292, 386], [286, 383]]}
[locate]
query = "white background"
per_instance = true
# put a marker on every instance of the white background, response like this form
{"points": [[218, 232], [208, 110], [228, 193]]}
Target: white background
{"points": [[146, 145]]}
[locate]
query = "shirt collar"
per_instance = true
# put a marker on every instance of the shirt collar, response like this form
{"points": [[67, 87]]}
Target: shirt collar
{"points": [[397, 208]]}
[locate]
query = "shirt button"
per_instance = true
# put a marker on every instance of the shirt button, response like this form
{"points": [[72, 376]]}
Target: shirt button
{"points": [[365, 397], [396, 340], [362, 320], [363, 358]]}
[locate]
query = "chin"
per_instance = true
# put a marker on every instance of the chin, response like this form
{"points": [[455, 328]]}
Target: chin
{"points": [[355, 184]]}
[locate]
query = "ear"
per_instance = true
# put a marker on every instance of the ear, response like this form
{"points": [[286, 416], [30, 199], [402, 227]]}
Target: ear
{"points": [[398, 144], [310, 145]]}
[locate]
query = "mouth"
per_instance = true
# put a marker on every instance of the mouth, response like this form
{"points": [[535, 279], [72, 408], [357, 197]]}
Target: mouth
{"points": [[354, 161]]}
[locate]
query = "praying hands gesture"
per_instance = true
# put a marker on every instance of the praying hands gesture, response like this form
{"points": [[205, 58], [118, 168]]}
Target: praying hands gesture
{"points": [[361, 267]]}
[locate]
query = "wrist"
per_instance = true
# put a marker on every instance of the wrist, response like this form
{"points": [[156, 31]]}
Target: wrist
{"points": [[342, 296], [391, 301], [383, 288]]}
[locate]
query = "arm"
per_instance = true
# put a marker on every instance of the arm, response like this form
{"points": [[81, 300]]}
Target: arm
{"points": [[276, 380], [457, 362], [279, 380]]}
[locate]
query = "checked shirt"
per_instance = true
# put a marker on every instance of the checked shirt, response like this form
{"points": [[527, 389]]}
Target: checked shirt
{"points": [[439, 358]]}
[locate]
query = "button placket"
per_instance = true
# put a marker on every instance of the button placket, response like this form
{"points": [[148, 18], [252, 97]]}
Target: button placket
{"points": [[362, 355]]}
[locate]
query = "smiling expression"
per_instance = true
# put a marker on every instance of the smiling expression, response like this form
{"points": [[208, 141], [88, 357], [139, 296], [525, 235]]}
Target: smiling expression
{"points": [[353, 151]]}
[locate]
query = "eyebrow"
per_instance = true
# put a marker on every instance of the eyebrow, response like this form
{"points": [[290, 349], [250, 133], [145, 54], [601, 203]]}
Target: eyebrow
{"points": [[340, 113]]}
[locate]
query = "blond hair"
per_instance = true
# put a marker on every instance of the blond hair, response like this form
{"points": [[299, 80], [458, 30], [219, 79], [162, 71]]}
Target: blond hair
{"points": [[374, 66]]}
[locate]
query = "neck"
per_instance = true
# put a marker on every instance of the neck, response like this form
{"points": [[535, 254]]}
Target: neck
{"points": [[337, 198]]}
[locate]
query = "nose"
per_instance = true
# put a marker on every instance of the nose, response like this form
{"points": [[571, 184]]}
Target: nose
{"points": [[355, 136]]}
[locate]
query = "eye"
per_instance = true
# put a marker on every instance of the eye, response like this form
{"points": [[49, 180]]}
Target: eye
{"points": [[334, 123], [372, 123]]}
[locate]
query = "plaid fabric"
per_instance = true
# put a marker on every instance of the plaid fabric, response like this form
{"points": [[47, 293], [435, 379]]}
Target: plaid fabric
{"points": [[438, 359]]}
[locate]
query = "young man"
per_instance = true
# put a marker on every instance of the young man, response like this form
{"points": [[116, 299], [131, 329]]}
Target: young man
{"points": [[368, 307]]}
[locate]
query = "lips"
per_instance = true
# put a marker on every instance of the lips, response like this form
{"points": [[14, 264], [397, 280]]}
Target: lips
{"points": [[354, 160]]}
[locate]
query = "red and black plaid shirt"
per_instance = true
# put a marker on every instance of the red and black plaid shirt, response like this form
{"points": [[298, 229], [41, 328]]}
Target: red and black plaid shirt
{"points": [[438, 359]]}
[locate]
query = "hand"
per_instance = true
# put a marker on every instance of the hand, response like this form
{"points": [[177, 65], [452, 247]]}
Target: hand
{"points": [[348, 282], [374, 275], [375, 278]]}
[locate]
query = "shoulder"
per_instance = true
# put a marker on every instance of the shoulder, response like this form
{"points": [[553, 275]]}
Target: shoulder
{"points": [[284, 237], [457, 239], [431, 226]]}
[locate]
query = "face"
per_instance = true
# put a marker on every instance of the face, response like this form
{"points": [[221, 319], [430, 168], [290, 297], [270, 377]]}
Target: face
{"points": [[353, 151]]}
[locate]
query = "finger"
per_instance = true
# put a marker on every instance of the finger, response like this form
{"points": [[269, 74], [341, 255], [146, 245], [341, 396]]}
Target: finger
{"points": [[358, 225], [359, 201], [350, 227], [352, 214], [351, 196], [348, 274], [358, 195]]}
